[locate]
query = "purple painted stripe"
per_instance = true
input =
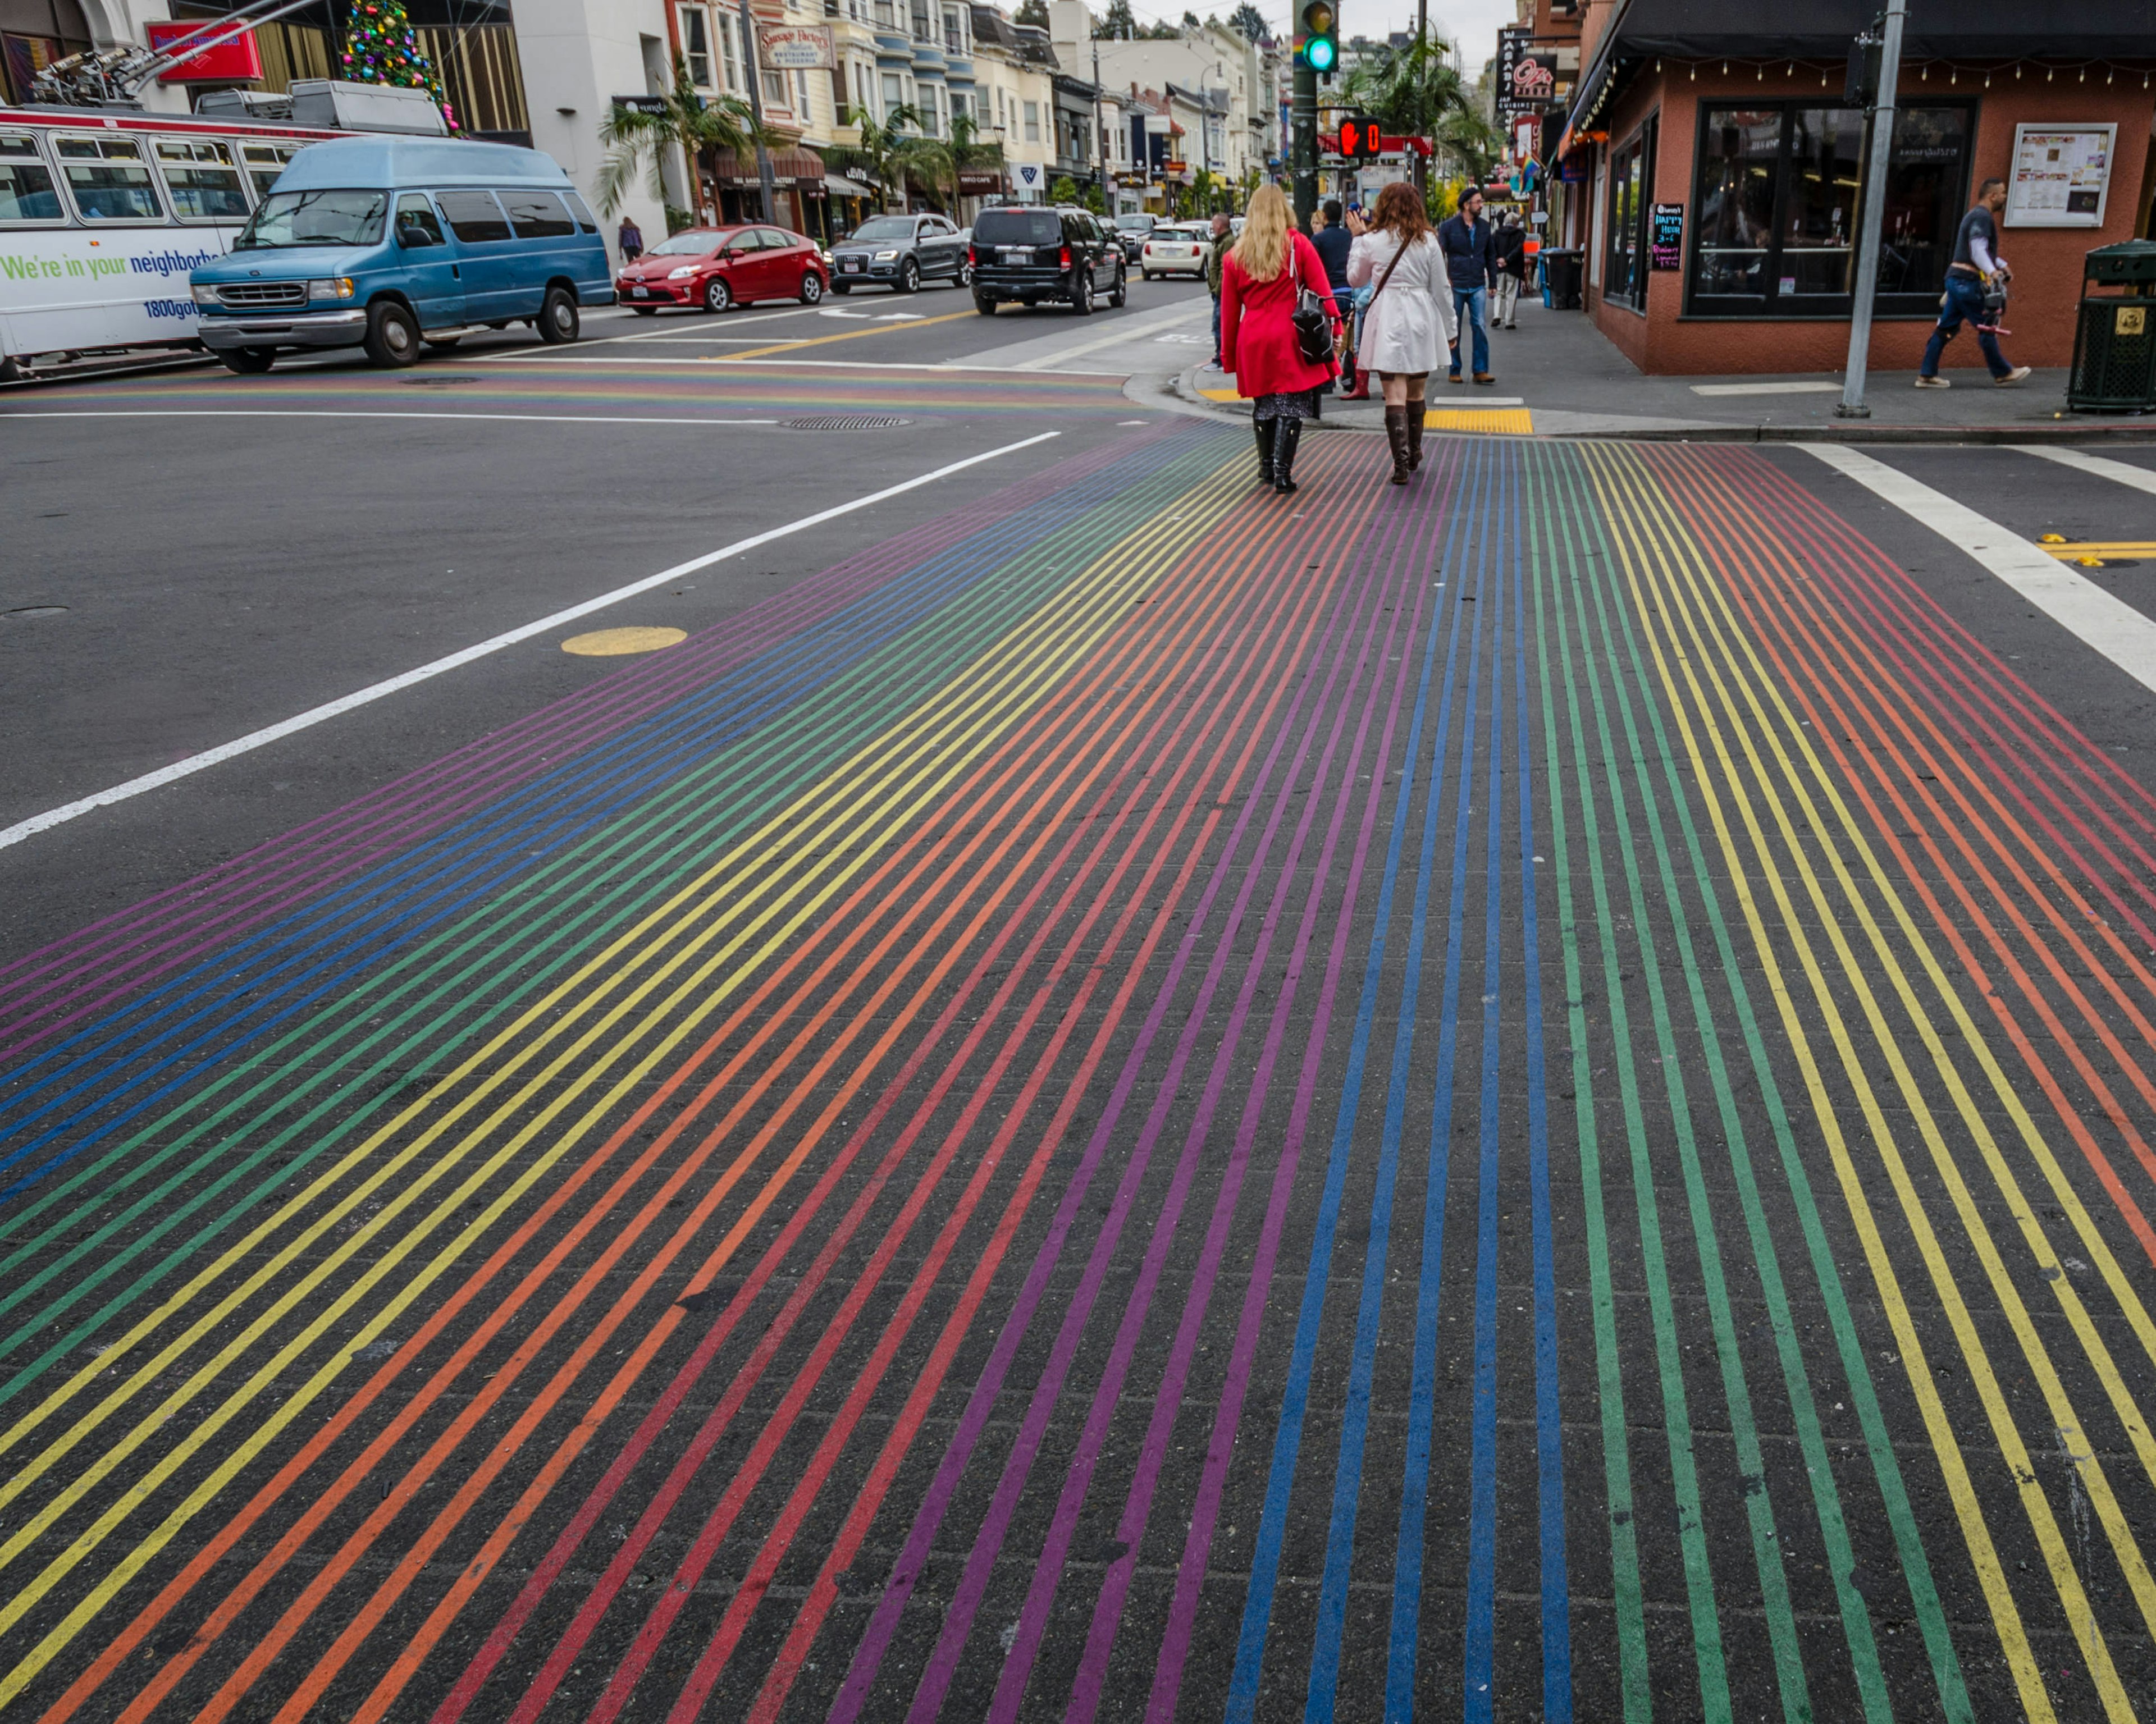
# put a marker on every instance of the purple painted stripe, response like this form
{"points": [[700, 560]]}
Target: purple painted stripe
{"points": [[1048, 1570], [905, 1573], [1220, 1448], [225, 901], [1137, 1508]]}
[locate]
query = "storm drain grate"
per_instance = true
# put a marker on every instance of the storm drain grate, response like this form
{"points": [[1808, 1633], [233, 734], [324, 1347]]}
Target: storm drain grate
{"points": [[436, 383], [848, 422]]}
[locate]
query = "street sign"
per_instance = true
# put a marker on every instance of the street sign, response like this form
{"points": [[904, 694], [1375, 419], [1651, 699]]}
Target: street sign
{"points": [[796, 48]]}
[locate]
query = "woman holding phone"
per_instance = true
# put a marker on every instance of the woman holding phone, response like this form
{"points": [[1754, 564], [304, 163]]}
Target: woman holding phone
{"points": [[1408, 324], [1259, 285]]}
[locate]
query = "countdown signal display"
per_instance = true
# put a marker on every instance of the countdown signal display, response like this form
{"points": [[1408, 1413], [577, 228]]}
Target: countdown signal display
{"points": [[1361, 138]]}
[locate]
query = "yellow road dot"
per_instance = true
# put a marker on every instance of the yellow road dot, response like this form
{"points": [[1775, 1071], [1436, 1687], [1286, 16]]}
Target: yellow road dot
{"points": [[616, 643]]}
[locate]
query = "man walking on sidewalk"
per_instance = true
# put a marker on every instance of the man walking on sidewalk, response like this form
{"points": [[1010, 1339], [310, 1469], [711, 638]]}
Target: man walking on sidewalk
{"points": [[1471, 263], [1510, 242], [1216, 251], [1332, 241], [1976, 260]]}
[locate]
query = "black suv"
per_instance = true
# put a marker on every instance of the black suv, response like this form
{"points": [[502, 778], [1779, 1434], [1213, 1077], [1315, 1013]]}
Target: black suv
{"points": [[1031, 255]]}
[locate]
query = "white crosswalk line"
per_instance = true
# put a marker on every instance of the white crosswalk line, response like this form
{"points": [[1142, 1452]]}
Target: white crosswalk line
{"points": [[2113, 627], [2140, 478]]}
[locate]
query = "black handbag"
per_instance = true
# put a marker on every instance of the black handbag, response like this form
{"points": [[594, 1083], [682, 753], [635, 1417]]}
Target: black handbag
{"points": [[1313, 329]]}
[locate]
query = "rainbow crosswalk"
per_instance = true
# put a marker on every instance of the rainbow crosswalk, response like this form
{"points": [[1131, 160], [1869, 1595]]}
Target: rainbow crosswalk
{"points": [[1526, 1096]]}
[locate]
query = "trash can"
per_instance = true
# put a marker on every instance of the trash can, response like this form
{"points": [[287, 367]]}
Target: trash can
{"points": [[1560, 278], [2115, 337]]}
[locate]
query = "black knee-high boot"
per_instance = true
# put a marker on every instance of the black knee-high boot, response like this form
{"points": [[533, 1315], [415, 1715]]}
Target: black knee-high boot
{"points": [[1286, 433], [1415, 413], [1264, 450]]}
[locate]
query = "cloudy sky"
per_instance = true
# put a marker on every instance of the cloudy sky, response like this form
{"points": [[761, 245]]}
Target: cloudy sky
{"points": [[1472, 23]]}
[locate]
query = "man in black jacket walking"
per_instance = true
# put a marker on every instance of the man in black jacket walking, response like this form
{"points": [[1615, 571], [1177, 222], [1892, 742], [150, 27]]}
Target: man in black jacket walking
{"points": [[1471, 263]]}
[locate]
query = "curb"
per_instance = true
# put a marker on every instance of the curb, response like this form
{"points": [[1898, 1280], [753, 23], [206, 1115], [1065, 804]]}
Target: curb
{"points": [[1182, 396]]}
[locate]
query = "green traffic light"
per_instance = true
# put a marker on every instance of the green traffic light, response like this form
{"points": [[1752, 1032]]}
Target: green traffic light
{"points": [[1319, 52]]}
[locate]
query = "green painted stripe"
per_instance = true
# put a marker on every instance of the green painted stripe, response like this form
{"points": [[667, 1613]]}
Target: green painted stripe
{"points": [[1545, 541], [1669, 1349], [1916, 1564], [776, 761]]}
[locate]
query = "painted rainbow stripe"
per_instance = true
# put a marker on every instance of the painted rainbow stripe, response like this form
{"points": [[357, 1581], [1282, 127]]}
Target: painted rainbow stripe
{"points": [[741, 1180]]}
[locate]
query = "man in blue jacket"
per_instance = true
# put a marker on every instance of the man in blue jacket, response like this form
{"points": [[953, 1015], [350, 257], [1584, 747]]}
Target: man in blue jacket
{"points": [[1471, 262]]}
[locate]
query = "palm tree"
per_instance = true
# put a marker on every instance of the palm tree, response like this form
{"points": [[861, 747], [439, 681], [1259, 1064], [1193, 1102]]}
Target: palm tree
{"points": [[937, 162], [1415, 91], [637, 143], [881, 152]]}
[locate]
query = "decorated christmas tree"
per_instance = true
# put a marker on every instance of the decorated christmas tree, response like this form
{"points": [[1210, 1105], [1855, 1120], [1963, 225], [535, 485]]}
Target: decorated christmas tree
{"points": [[381, 47]]}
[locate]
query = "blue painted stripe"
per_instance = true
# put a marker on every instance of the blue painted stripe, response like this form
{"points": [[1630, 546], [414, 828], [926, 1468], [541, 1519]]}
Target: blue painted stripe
{"points": [[1549, 1429], [1348, 1476], [1287, 1438]]}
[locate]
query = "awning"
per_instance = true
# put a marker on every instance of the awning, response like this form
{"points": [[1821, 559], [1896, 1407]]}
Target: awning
{"points": [[844, 185], [788, 167], [1821, 30]]}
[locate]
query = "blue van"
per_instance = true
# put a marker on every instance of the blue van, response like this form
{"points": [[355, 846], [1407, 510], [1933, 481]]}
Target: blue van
{"points": [[392, 244]]}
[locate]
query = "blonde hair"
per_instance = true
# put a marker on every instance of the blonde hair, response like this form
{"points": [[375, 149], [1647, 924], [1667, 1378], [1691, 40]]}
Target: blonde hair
{"points": [[1262, 251]]}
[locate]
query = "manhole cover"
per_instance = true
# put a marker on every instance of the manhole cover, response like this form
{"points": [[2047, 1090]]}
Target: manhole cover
{"points": [[436, 383], [37, 610], [848, 422]]}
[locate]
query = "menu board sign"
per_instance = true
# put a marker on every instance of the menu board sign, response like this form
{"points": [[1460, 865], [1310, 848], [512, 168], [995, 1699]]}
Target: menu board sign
{"points": [[2062, 176], [1666, 236]]}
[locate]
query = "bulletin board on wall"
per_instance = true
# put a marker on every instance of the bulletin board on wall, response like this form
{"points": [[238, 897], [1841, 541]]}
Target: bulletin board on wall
{"points": [[2061, 175]]}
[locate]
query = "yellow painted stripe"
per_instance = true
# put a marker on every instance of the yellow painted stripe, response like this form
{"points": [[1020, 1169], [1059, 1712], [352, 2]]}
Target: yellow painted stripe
{"points": [[850, 335], [1635, 552], [974, 710]]}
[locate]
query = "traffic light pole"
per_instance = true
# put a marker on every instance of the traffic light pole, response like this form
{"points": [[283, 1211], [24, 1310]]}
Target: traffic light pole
{"points": [[1302, 158], [1852, 405]]}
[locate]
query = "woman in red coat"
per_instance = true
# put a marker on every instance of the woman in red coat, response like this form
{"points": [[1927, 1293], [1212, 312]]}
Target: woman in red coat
{"points": [[1258, 285]]}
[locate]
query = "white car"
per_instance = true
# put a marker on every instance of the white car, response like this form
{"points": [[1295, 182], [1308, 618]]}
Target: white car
{"points": [[1174, 251]]}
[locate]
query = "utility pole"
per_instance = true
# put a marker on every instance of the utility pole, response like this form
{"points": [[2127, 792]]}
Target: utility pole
{"points": [[1101, 135], [755, 114], [1429, 121], [1303, 143], [1851, 405]]}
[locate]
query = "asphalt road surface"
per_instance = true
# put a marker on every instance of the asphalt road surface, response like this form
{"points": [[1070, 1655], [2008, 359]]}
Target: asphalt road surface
{"points": [[1081, 1092]]}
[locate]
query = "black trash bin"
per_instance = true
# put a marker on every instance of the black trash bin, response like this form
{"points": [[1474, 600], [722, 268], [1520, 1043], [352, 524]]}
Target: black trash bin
{"points": [[2115, 335], [1561, 276]]}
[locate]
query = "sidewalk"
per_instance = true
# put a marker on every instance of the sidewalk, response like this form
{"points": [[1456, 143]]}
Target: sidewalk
{"points": [[1558, 377]]}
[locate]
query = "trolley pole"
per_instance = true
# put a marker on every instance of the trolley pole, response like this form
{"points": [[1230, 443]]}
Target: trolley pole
{"points": [[755, 114], [1851, 405]]}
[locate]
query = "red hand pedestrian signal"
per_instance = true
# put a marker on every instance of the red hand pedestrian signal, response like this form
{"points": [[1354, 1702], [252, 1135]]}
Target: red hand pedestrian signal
{"points": [[1361, 138]]}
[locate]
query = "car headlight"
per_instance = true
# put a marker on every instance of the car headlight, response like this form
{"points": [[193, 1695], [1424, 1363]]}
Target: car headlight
{"points": [[885, 257], [682, 273], [336, 287], [204, 294]]}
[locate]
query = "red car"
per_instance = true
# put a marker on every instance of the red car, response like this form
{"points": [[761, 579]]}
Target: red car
{"points": [[720, 268]]}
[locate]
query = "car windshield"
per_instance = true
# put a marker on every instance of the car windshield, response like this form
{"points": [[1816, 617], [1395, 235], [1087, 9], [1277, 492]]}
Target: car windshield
{"points": [[1134, 223], [687, 245], [290, 218], [883, 227]]}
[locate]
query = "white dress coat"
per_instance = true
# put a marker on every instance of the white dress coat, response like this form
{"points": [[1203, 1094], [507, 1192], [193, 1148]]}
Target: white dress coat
{"points": [[1408, 327]]}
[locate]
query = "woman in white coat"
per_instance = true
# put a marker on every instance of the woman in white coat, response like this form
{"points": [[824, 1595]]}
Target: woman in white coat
{"points": [[1408, 326]]}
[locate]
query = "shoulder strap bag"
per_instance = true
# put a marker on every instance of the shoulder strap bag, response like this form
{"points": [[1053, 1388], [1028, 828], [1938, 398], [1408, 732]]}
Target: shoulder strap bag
{"points": [[1388, 275], [1313, 329]]}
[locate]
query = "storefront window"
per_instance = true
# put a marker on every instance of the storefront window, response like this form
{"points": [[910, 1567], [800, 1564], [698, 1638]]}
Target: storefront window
{"points": [[1776, 203], [1631, 182]]}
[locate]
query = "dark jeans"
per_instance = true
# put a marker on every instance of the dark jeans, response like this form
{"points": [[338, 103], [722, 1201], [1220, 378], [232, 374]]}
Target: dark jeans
{"points": [[1964, 300], [1216, 329]]}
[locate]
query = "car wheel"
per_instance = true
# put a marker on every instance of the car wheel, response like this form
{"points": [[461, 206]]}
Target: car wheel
{"points": [[249, 361], [812, 287], [909, 276], [984, 304], [557, 317], [1120, 292], [393, 337], [1081, 291], [1147, 274], [718, 297], [965, 275], [646, 310]]}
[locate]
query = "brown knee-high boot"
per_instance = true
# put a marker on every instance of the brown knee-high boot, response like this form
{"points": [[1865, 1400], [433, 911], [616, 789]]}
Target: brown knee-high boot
{"points": [[1415, 413], [1396, 434]]}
